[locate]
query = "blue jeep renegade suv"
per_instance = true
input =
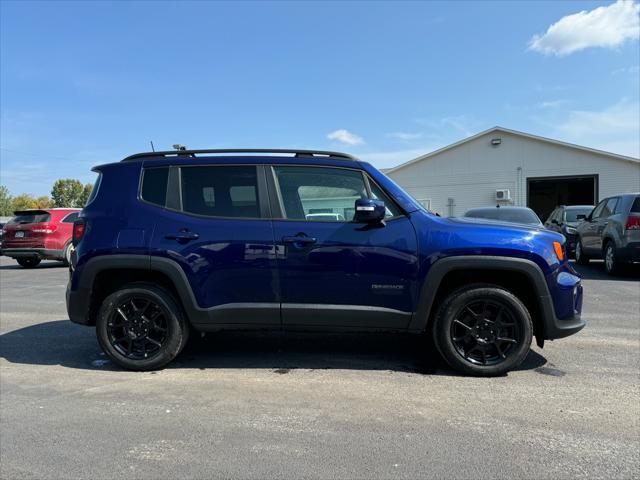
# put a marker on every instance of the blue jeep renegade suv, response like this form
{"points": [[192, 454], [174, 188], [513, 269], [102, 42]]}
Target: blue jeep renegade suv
{"points": [[215, 240]]}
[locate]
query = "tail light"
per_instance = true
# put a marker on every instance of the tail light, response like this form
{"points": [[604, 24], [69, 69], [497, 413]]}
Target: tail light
{"points": [[633, 222], [46, 229], [78, 231]]}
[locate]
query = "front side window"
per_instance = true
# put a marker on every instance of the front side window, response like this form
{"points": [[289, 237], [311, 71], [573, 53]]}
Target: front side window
{"points": [[319, 193], [610, 207], [597, 212], [220, 191], [391, 209]]}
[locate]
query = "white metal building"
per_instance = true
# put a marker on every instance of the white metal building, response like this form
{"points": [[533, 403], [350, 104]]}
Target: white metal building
{"points": [[502, 166]]}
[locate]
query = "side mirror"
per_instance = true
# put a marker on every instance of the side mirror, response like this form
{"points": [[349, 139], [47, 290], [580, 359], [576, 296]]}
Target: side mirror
{"points": [[581, 216], [369, 211]]}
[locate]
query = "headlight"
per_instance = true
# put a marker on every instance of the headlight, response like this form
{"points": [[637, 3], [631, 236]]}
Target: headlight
{"points": [[570, 230]]}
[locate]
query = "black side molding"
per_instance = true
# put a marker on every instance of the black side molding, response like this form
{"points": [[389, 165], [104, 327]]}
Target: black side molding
{"points": [[552, 327]]}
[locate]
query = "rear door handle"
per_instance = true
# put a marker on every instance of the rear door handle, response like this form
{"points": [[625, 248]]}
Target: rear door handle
{"points": [[300, 240]]}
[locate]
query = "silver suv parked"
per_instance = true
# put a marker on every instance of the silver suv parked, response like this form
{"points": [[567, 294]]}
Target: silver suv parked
{"points": [[612, 232]]}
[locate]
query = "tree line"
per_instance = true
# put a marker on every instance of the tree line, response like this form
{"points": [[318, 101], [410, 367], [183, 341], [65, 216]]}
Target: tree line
{"points": [[66, 192]]}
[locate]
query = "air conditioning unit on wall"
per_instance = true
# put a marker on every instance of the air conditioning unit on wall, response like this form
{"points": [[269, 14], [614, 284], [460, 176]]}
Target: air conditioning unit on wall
{"points": [[503, 195]]}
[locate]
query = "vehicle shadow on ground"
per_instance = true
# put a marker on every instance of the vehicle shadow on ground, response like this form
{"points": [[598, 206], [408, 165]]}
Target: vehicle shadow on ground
{"points": [[45, 265], [74, 346], [595, 271]]}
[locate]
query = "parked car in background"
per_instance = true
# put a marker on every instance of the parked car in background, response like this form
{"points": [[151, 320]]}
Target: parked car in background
{"points": [[611, 232], [522, 215], [564, 219], [323, 217], [222, 240], [40, 234], [1, 230]]}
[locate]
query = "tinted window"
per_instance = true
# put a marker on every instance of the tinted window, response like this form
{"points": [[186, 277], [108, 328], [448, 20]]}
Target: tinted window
{"points": [[36, 217], [319, 194], [391, 209], [71, 217], [635, 208], [94, 190], [597, 212], [523, 215], [572, 215], [610, 207], [154, 185], [220, 191]]}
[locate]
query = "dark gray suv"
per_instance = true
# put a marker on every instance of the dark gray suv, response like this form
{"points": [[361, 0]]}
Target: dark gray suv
{"points": [[612, 232]]}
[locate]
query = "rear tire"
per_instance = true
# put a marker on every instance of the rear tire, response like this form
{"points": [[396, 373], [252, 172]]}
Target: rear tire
{"points": [[580, 256], [66, 254], [483, 330], [29, 262], [141, 327], [611, 263]]}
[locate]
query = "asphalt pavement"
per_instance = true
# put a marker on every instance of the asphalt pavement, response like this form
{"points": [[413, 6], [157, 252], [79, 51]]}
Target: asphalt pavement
{"points": [[251, 405]]}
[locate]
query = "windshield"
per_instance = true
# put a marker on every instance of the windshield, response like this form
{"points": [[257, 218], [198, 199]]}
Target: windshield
{"points": [[506, 215], [572, 215]]}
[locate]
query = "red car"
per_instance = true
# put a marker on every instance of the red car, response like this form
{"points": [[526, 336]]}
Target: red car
{"points": [[36, 235]]}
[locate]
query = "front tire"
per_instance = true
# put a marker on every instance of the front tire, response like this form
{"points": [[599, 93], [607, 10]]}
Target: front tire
{"points": [[29, 262], [141, 327], [580, 256], [483, 330]]}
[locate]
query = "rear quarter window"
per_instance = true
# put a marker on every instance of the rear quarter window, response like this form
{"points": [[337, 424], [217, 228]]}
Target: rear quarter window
{"points": [[154, 185], [635, 207]]}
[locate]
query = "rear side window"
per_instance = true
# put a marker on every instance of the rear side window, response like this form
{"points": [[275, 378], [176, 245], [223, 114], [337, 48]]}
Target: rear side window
{"points": [[635, 208], [610, 207], [154, 185], [220, 191], [94, 190], [24, 218], [72, 217]]}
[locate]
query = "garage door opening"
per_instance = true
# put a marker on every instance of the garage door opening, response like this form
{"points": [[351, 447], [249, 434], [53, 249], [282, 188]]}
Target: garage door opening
{"points": [[546, 193]]}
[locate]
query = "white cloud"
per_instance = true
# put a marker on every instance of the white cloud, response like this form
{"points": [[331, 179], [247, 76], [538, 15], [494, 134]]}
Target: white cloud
{"points": [[607, 27], [345, 137], [404, 136], [632, 70], [552, 103], [615, 129]]}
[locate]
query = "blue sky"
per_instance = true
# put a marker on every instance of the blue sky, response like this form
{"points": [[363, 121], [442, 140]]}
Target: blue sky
{"points": [[84, 83]]}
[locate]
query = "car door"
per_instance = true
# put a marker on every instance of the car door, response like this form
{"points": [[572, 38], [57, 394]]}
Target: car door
{"points": [[589, 232], [334, 272], [552, 222], [216, 227]]}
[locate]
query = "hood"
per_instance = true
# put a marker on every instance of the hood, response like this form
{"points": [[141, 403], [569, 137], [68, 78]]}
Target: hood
{"points": [[520, 227]]}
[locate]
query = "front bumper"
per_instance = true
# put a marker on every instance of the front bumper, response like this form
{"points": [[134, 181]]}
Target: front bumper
{"points": [[562, 307], [44, 253]]}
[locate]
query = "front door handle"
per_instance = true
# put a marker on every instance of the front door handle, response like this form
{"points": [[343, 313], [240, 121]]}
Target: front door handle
{"points": [[183, 235], [300, 240]]}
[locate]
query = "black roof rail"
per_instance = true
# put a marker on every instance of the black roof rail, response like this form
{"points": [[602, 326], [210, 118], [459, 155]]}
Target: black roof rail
{"points": [[193, 153]]}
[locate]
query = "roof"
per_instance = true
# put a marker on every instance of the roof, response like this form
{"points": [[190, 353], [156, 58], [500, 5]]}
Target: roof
{"points": [[232, 151], [516, 133]]}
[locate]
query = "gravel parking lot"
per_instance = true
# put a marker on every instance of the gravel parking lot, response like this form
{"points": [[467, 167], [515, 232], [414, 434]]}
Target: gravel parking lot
{"points": [[304, 406]]}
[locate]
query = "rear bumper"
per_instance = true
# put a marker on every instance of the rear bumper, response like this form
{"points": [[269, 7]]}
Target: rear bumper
{"points": [[44, 253], [630, 253], [78, 304]]}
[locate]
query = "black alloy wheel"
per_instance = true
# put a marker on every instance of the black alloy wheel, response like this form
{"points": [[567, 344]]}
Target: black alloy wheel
{"points": [[137, 328], [141, 327], [484, 332]]}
